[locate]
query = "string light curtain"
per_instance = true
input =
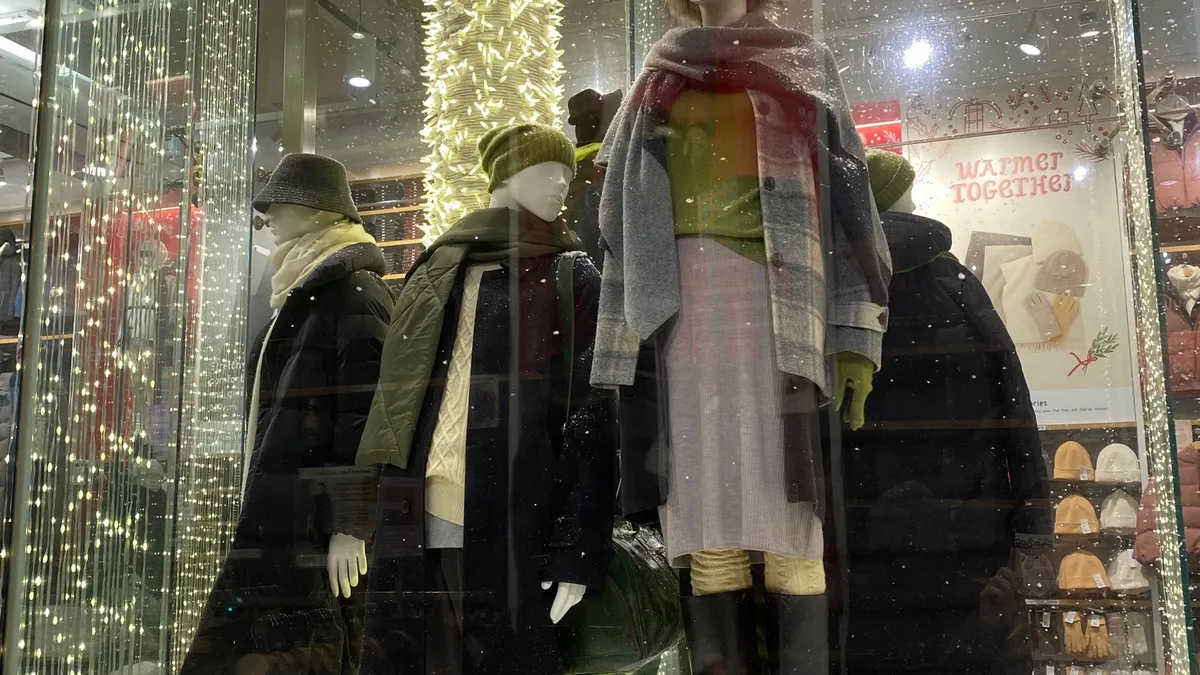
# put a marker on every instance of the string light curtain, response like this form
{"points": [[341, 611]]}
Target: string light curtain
{"points": [[138, 395], [487, 63]]}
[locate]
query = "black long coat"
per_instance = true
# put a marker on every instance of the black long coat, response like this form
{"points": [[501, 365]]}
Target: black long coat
{"points": [[271, 601], [944, 476], [539, 493]]}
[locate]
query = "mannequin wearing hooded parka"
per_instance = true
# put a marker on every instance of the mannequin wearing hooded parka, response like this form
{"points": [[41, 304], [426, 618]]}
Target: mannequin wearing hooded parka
{"points": [[934, 509], [311, 374], [495, 503], [713, 217]]}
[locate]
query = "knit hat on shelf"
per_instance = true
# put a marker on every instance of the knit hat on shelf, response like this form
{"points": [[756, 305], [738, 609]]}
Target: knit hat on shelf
{"points": [[1127, 574], [1119, 512], [1117, 463], [891, 176], [1075, 515], [315, 181], [507, 150], [1082, 570], [1072, 462], [1037, 575], [1062, 273]]}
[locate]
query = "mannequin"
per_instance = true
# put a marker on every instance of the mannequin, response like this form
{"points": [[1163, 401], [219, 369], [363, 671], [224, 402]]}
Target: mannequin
{"points": [[590, 114], [542, 190], [931, 521], [311, 374], [480, 401], [750, 338]]}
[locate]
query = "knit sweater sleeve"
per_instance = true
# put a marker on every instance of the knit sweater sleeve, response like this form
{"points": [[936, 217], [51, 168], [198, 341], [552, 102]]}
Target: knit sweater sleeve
{"points": [[863, 265], [582, 535]]}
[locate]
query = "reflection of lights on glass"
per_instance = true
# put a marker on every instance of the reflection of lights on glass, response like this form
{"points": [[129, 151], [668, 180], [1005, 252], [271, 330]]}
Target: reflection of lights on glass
{"points": [[1089, 23], [1031, 42], [918, 54], [360, 82], [97, 171], [1080, 172], [1168, 183]]}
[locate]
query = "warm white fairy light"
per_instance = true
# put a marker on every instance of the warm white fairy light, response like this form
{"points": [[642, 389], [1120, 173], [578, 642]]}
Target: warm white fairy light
{"points": [[487, 63], [109, 434], [1156, 415]]}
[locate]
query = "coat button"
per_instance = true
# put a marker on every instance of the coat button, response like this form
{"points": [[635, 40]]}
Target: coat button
{"points": [[768, 183], [405, 507], [777, 259]]}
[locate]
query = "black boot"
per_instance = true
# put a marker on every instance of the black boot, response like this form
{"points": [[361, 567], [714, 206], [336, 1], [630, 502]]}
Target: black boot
{"points": [[797, 634], [720, 633]]}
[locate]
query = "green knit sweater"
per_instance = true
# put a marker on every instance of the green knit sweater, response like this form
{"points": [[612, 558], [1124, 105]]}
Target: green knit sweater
{"points": [[712, 159]]}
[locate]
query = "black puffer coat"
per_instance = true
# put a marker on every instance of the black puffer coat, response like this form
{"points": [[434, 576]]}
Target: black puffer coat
{"points": [[539, 493], [942, 477], [271, 602]]}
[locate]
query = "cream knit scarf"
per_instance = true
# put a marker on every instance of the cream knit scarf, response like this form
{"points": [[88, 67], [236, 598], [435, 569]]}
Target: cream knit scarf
{"points": [[294, 260]]}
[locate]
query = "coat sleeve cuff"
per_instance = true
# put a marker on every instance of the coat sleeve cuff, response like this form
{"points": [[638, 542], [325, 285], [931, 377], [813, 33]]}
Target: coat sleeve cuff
{"points": [[579, 565], [868, 343]]}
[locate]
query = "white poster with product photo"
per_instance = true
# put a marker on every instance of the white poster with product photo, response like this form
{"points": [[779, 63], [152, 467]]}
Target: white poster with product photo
{"points": [[1038, 223]]}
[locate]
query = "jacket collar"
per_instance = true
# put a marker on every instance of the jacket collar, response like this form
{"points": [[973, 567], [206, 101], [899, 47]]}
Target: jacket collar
{"points": [[345, 262], [915, 241]]}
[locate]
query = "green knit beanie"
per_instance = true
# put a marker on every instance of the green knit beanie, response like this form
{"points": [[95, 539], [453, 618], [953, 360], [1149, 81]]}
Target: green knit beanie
{"points": [[505, 151], [891, 176]]}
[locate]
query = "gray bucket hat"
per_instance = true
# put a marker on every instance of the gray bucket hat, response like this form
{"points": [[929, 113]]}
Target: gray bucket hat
{"points": [[315, 181]]}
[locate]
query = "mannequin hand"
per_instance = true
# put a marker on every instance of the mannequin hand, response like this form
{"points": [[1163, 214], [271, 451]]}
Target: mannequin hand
{"points": [[347, 560], [568, 596], [856, 371]]}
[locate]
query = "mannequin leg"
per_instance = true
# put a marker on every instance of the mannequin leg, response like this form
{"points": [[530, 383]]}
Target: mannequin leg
{"points": [[718, 617], [797, 616]]}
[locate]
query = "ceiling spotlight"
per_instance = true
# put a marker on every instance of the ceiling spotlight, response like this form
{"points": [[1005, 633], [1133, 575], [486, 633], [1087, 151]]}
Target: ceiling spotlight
{"points": [[1089, 22], [918, 54], [360, 61], [1032, 42]]}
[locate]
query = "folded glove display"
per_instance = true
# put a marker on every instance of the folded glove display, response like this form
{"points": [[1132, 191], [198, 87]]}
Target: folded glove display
{"points": [[1086, 636], [1127, 631]]}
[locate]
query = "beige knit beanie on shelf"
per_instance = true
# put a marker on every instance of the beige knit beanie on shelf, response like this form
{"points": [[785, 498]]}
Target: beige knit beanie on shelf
{"points": [[1076, 515], [1071, 462]]}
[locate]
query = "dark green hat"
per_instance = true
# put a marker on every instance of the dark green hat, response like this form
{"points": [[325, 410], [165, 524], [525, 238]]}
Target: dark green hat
{"points": [[891, 176], [315, 181], [505, 151]]}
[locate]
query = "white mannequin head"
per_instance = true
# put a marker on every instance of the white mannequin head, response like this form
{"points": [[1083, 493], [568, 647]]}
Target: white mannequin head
{"points": [[905, 203], [540, 189], [289, 221]]}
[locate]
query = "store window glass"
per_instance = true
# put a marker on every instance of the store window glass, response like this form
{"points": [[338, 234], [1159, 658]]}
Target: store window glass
{"points": [[552, 336], [124, 181]]}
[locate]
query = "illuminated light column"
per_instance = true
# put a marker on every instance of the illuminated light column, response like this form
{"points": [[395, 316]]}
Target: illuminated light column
{"points": [[487, 63]]}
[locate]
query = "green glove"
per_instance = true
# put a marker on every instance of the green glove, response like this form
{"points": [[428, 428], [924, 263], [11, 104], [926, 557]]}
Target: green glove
{"points": [[856, 371]]}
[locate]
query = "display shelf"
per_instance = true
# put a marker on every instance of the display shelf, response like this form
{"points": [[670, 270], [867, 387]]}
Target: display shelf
{"points": [[397, 209], [1097, 603], [1123, 424], [398, 242], [12, 340]]}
